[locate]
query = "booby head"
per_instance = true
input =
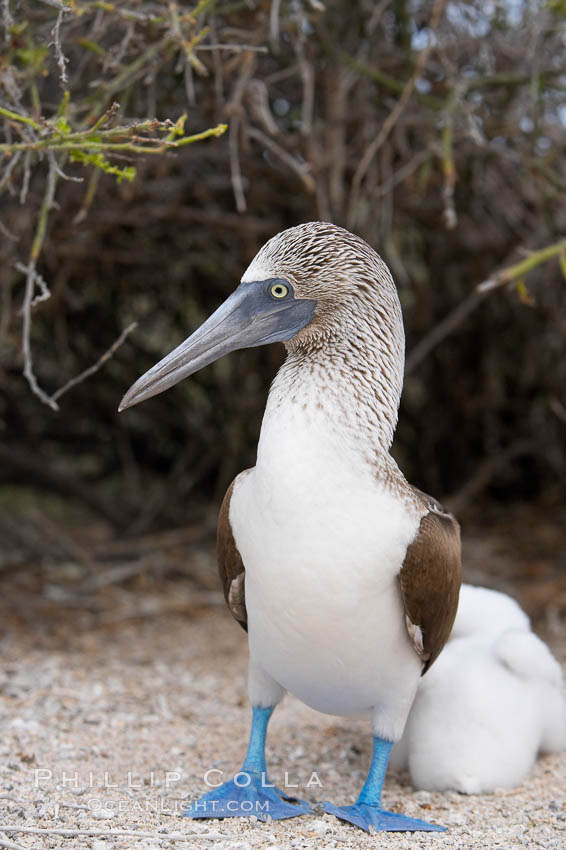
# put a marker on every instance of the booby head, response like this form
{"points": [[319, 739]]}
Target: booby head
{"points": [[305, 285]]}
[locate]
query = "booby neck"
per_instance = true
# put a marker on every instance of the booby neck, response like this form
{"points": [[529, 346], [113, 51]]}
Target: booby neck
{"points": [[344, 383]]}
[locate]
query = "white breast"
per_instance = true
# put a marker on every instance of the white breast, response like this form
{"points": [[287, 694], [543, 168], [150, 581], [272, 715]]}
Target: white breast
{"points": [[322, 543]]}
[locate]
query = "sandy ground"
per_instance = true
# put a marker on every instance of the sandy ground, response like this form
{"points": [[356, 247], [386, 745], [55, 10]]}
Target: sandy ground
{"points": [[109, 722]]}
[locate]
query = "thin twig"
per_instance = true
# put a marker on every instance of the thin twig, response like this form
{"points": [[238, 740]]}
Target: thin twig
{"points": [[78, 379], [307, 77], [233, 48], [26, 178], [189, 82], [447, 155], [274, 25], [89, 196], [449, 172], [7, 20], [63, 176], [485, 472], [8, 233], [248, 64], [517, 270], [9, 168], [44, 291], [377, 15], [84, 142], [401, 173], [9, 845], [17, 116], [32, 279], [557, 408], [300, 169], [109, 833], [235, 170], [61, 58], [443, 329], [30, 287], [258, 102]]}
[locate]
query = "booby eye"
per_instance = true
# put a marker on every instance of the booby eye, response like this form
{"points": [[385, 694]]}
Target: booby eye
{"points": [[279, 290]]}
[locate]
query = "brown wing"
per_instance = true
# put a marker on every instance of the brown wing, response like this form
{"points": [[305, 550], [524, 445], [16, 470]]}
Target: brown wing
{"points": [[430, 581], [230, 564]]}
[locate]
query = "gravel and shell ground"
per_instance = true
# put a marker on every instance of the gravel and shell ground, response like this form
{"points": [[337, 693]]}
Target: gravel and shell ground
{"points": [[112, 712]]}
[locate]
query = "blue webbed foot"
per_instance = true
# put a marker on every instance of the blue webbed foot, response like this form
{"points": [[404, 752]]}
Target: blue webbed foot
{"points": [[367, 817], [244, 798]]}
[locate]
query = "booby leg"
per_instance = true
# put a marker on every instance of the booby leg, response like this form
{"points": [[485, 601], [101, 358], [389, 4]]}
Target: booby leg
{"points": [[367, 811], [250, 792]]}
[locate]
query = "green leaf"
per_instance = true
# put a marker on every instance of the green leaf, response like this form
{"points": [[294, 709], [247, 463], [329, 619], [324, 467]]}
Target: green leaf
{"points": [[64, 105], [92, 46], [524, 294], [178, 129], [62, 126], [98, 160]]}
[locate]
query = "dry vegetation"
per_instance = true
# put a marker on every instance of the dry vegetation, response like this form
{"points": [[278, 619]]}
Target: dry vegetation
{"points": [[433, 129]]}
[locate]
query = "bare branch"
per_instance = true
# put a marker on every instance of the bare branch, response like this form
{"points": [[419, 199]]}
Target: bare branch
{"points": [[401, 174], [558, 408], [274, 25], [61, 58], [78, 379], [7, 20], [30, 287], [307, 76], [15, 158], [257, 97], [235, 170], [443, 329], [26, 178], [449, 172], [234, 48], [189, 83], [44, 292], [485, 472], [8, 233], [517, 270], [300, 168], [170, 837], [63, 176], [9, 845], [377, 14]]}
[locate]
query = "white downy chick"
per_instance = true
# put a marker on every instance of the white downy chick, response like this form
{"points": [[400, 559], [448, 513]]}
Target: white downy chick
{"points": [[491, 702]]}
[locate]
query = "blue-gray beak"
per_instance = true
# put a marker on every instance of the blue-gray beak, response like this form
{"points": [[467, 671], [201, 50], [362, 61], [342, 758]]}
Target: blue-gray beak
{"points": [[255, 314]]}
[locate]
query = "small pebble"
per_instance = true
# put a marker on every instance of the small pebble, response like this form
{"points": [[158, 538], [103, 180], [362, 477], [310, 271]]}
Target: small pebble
{"points": [[319, 826], [103, 814]]}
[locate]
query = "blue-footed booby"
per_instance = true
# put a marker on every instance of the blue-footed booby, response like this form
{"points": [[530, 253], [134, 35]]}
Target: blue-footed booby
{"points": [[345, 577]]}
